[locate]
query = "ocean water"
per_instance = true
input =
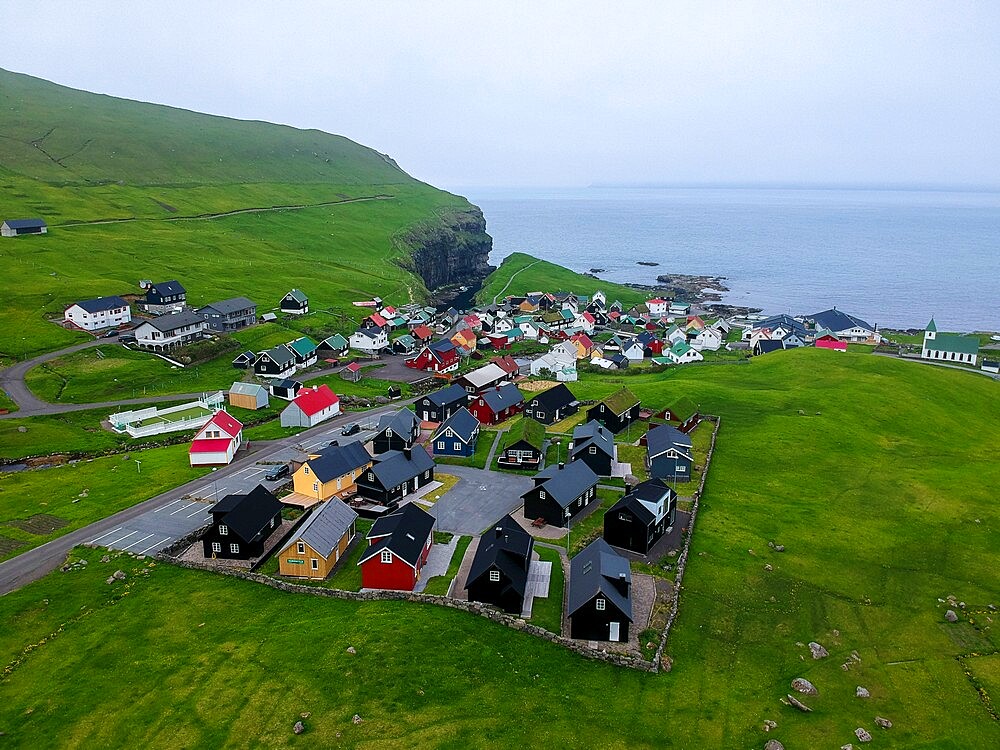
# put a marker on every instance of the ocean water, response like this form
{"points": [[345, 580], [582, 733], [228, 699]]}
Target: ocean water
{"points": [[892, 257]]}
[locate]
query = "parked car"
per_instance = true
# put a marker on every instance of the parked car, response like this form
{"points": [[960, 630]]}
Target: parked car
{"points": [[110, 334], [351, 429], [277, 473], [127, 338]]}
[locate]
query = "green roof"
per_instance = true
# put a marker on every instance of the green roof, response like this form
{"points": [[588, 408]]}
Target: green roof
{"points": [[621, 401], [680, 348], [303, 346], [336, 341], [532, 432], [953, 342], [298, 295], [683, 408], [932, 326]]}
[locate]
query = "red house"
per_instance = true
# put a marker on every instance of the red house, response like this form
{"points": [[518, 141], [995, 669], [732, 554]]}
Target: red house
{"points": [[217, 441], [831, 342], [441, 356], [498, 404], [507, 364], [377, 320], [498, 341], [422, 333], [399, 543]]}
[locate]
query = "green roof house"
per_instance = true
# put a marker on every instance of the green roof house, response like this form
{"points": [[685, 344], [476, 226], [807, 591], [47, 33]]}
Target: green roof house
{"points": [[949, 347]]}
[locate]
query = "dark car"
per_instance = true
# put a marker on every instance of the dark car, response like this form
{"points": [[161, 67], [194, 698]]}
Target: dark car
{"points": [[110, 334], [127, 338], [277, 473], [351, 428]]}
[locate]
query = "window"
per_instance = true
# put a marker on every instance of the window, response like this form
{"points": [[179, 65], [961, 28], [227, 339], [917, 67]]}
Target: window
{"points": [[234, 548], [593, 450], [495, 576], [542, 495], [624, 517], [458, 446], [386, 556], [427, 475], [223, 529], [301, 548], [371, 477], [315, 563], [305, 469], [216, 547], [441, 445], [599, 604]]}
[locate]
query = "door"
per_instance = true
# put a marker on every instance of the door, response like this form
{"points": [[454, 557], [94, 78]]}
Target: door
{"points": [[427, 416], [613, 635]]}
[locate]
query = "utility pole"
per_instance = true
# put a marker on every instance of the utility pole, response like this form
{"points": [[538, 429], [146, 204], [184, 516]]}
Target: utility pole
{"points": [[138, 466]]}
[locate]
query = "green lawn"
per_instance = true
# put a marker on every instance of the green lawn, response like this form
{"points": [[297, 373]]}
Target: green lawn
{"points": [[478, 459], [346, 576], [39, 505], [439, 584], [547, 613]]}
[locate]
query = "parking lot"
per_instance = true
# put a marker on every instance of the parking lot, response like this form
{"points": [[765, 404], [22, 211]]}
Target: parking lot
{"points": [[478, 500], [152, 531]]}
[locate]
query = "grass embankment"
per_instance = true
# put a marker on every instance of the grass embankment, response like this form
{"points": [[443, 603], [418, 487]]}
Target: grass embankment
{"points": [[529, 274], [439, 584], [547, 612], [884, 503], [478, 459], [37, 506]]}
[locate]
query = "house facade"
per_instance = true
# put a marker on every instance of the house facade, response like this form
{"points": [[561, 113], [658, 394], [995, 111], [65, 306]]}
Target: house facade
{"points": [[397, 431], [617, 411], [164, 297], [311, 407], [251, 396], [594, 444], [496, 405], [369, 340], [19, 227], [524, 446], [216, 443], [441, 404], [599, 600], [396, 474], [276, 362], [669, 454], [229, 314], [439, 357], [241, 525], [294, 303], [95, 314], [560, 493], [499, 571], [551, 406], [641, 517], [320, 543], [457, 436], [398, 546], [284, 388], [331, 471], [169, 331]]}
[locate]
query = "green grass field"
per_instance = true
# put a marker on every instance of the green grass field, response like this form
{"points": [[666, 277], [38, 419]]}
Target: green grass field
{"points": [[885, 502]]}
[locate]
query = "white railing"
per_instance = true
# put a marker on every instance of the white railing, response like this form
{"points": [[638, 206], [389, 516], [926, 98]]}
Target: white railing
{"points": [[131, 422]]}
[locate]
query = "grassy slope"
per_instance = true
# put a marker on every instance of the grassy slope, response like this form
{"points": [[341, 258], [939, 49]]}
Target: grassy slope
{"points": [[127, 159], [530, 274], [876, 500]]}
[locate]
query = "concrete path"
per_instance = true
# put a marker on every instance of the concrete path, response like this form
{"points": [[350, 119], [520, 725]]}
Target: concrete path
{"points": [[493, 449], [458, 590], [438, 560]]}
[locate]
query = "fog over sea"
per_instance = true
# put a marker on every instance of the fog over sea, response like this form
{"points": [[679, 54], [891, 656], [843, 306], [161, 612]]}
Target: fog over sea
{"points": [[892, 257]]}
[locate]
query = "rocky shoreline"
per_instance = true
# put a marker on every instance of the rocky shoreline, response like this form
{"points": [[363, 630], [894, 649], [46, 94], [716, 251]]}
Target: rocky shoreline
{"points": [[702, 291]]}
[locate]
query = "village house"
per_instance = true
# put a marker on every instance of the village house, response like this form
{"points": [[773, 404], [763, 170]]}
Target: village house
{"points": [[499, 571], [304, 349], [396, 431], [331, 471], [399, 544], [682, 353], [216, 443], [244, 360], [557, 364], [164, 297], [457, 435], [846, 327], [599, 602], [617, 411], [441, 404], [483, 378], [395, 474], [496, 405], [369, 340], [658, 307], [594, 444], [403, 344], [351, 373], [422, 333], [465, 342], [679, 308], [294, 303], [276, 362], [524, 445], [552, 405], [707, 339], [168, 331], [95, 314], [284, 388], [20, 227], [685, 412], [831, 342], [229, 314], [949, 347], [311, 407], [766, 346], [319, 543], [641, 517], [439, 357], [241, 525], [669, 453], [560, 493], [333, 347], [248, 396]]}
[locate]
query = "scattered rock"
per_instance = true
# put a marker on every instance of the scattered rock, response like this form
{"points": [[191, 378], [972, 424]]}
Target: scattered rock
{"points": [[950, 616], [862, 734], [106, 559], [773, 745], [111, 579], [140, 557], [598, 270], [836, 633], [817, 651], [767, 566], [779, 548], [862, 692], [351, 650], [769, 725], [356, 719], [672, 553], [992, 607], [299, 727], [802, 685], [118, 575], [750, 551], [795, 702], [22, 429], [883, 722], [848, 746], [305, 714]]}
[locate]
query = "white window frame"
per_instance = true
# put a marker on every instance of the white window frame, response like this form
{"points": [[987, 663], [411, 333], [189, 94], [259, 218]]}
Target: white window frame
{"points": [[223, 529], [495, 576], [386, 556], [542, 495], [301, 548], [600, 604], [440, 445], [216, 547], [315, 563], [234, 549]]}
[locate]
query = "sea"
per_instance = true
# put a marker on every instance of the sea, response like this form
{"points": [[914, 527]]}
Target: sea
{"points": [[892, 257]]}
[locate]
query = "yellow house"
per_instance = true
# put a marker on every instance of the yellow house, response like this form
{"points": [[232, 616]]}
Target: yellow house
{"points": [[317, 545], [332, 472]]}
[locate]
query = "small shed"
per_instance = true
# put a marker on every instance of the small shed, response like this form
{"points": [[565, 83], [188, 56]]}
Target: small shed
{"points": [[248, 396], [17, 227], [394, 392], [351, 373]]}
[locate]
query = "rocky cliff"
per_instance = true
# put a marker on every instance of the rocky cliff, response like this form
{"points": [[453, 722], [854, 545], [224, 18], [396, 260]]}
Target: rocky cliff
{"points": [[453, 251]]}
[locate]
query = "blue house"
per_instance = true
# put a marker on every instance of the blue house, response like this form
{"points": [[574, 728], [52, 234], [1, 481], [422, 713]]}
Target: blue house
{"points": [[669, 454], [458, 435]]}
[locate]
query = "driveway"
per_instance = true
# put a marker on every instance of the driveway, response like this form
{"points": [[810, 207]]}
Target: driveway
{"points": [[156, 529], [479, 499]]}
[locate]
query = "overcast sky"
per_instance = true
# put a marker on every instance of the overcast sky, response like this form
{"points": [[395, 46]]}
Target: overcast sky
{"points": [[467, 94]]}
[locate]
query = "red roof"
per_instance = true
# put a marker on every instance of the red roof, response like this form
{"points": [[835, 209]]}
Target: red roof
{"points": [[472, 320], [378, 320], [507, 364], [389, 310], [584, 340], [422, 332], [825, 343], [214, 445], [314, 400], [354, 367], [226, 422], [657, 301], [588, 317]]}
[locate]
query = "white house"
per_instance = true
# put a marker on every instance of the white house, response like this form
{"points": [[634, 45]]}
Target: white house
{"points": [[370, 339], [168, 331], [599, 296], [94, 314], [657, 307], [557, 362], [949, 347], [310, 407], [217, 441], [845, 327], [633, 350], [585, 321], [682, 353], [707, 339]]}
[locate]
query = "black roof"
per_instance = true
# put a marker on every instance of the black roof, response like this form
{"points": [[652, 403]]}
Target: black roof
{"points": [[651, 491], [768, 345], [404, 532], [662, 438], [234, 304], [287, 383], [246, 356], [166, 288], [595, 570], [449, 395], [102, 303], [501, 398], [557, 397], [403, 423], [248, 514], [175, 320], [836, 320], [280, 354], [392, 468], [507, 547], [566, 482], [462, 424], [371, 332], [25, 223], [593, 434], [337, 460]]}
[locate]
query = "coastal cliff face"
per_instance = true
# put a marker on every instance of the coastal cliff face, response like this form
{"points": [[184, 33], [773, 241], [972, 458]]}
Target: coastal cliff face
{"points": [[453, 251]]}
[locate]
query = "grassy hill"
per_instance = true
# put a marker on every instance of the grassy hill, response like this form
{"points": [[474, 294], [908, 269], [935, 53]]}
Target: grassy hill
{"points": [[878, 476], [72, 157]]}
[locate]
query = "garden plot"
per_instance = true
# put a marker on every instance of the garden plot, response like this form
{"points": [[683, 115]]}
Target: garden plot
{"points": [[154, 421]]}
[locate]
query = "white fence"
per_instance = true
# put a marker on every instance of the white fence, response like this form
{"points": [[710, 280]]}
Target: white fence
{"points": [[132, 422]]}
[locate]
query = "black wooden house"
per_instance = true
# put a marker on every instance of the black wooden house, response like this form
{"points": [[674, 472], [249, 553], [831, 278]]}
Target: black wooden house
{"points": [[396, 432], [594, 444], [440, 405], [641, 518], [241, 524], [395, 474], [499, 571], [617, 411], [599, 604], [560, 493], [551, 406]]}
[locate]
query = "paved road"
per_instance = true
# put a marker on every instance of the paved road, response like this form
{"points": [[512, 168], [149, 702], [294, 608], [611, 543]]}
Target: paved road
{"points": [[35, 563], [479, 499], [12, 380]]}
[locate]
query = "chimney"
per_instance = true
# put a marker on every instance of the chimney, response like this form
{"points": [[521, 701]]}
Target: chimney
{"points": [[499, 531], [334, 442], [408, 452], [562, 465]]}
